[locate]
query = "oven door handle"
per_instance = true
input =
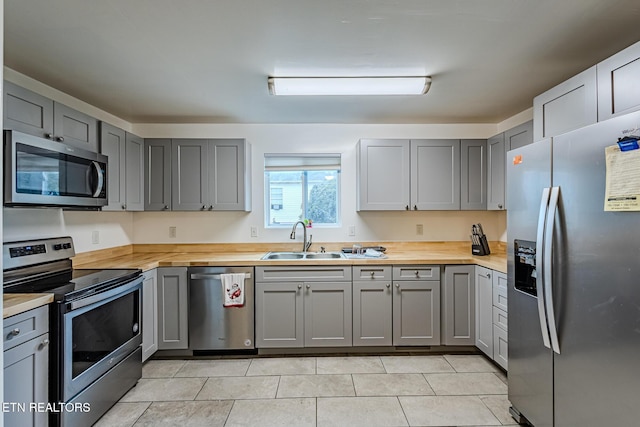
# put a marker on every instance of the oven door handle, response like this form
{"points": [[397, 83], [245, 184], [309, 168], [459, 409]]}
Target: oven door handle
{"points": [[112, 293]]}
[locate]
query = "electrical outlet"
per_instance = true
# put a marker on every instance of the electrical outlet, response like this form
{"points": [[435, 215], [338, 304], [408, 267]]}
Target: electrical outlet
{"points": [[352, 230], [172, 232], [95, 237], [254, 231], [419, 229]]}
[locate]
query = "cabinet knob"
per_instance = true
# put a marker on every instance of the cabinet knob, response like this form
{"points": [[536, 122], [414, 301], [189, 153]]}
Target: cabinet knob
{"points": [[488, 276], [398, 285], [299, 286], [388, 285], [124, 207], [43, 344], [48, 135], [15, 332], [415, 207], [60, 138], [210, 207], [373, 274], [417, 273], [500, 206], [165, 207], [406, 208], [308, 286], [204, 207]]}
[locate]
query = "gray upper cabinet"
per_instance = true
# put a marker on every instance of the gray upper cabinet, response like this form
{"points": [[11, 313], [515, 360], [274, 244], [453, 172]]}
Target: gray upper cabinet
{"points": [[125, 168], [497, 173], [210, 174], [435, 174], [157, 174], [473, 174], [383, 174], [619, 83], [570, 105], [459, 305], [28, 112], [173, 306], [519, 136], [189, 174]]}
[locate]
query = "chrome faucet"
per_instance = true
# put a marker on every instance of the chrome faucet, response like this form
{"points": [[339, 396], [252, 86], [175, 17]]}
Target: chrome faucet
{"points": [[305, 244]]}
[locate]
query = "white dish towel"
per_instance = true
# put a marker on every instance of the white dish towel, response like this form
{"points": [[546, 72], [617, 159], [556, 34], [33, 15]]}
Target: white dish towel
{"points": [[233, 289]]}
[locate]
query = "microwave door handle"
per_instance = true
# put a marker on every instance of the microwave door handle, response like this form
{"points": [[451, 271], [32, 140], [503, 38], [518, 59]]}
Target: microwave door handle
{"points": [[540, 250], [548, 264], [100, 174]]}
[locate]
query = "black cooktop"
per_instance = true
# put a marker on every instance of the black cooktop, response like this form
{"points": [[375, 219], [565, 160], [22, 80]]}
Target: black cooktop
{"points": [[77, 283]]}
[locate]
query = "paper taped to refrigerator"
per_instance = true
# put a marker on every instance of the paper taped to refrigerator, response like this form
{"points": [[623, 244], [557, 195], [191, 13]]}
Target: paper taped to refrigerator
{"points": [[622, 192]]}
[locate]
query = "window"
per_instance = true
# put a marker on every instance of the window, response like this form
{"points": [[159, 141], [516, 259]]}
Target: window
{"points": [[299, 187]]}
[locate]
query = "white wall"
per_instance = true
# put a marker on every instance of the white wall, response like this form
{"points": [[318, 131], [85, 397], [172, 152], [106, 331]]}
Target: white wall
{"points": [[121, 228]]}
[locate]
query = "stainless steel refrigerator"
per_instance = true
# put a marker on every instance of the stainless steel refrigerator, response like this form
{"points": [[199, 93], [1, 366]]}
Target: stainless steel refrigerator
{"points": [[573, 284]]}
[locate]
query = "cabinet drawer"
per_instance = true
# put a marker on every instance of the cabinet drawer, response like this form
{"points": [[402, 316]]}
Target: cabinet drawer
{"points": [[374, 272], [25, 326], [500, 291], [500, 318], [303, 274], [416, 272]]}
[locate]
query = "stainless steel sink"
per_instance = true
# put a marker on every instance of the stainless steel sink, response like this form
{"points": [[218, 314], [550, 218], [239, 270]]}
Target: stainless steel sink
{"points": [[302, 255]]}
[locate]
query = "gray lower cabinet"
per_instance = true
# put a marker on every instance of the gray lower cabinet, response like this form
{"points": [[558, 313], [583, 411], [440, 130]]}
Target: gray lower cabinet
{"points": [[496, 176], [26, 366], [125, 169], [473, 174], [372, 306], [157, 174], [303, 307], [459, 305], [149, 314], [484, 311], [173, 315], [619, 83], [570, 105], [416, 305], [29, 112]]}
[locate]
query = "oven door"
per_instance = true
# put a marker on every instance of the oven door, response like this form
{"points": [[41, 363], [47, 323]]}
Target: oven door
{"points": [[98, 332]]}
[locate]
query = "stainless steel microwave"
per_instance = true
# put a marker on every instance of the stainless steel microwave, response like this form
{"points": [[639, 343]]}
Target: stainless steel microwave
{"points": [[42, 172]]}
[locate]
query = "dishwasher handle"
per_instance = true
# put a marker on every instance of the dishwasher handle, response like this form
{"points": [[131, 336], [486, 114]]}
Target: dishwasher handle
{"points": [[213, 276]]}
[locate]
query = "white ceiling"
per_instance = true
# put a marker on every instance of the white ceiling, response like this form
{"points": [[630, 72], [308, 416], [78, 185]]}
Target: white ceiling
{"points": [[208, 60]]}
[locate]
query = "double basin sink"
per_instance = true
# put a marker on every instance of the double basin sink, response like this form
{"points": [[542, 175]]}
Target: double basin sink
{"points": [[302, 255]]}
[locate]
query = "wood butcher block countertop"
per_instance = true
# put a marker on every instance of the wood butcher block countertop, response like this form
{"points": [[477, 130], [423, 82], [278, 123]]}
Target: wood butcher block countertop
{"points": [[149, 256], [19, 303]]}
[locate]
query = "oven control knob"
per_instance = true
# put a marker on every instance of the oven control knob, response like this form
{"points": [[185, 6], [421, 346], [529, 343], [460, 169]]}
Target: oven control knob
{"points": [[135, 328]]}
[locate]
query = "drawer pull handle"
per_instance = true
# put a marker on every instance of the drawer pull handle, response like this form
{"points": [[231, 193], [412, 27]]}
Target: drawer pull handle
{"points": [[14, 333]]}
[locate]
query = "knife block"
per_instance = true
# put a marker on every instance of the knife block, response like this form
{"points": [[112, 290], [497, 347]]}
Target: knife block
{"points": [[481, 249]]}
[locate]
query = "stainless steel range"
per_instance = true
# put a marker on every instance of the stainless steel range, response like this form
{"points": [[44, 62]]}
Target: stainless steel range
{"points": [[95, 326]]}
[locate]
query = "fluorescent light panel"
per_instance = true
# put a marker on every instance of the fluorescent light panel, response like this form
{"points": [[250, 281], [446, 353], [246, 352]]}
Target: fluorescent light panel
{"points": [[349, 85]]}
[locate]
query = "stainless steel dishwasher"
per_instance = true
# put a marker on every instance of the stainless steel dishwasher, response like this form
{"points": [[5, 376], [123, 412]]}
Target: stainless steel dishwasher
{"points": [[211, 325]]}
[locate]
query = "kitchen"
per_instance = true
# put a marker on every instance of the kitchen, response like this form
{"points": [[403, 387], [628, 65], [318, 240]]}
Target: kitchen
{"points": [[318, 132]]}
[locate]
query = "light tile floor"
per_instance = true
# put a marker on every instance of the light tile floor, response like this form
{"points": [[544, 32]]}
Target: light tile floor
{"points": [[429, 390]]}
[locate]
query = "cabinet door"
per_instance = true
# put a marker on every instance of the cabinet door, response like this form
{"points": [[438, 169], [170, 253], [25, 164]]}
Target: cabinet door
{"points": [[27, 111], [416, 312], [619, 83], [189, 175], [157, 174], [484, 311], [435, 174], [473, 174], [372, 318], [173, 315], [149, 315], [227, 175], [499, 281], [75, 128], [134, 173], [112, 145], [519, 136], [496, 175], [26, 373], [459, 305], [327, 314], [570, 105], [279, 315], [383, 174], [501, 347]]}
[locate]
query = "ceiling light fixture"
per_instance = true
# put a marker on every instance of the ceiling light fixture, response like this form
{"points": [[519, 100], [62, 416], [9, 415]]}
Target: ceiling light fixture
{"points": [[417, 85]]}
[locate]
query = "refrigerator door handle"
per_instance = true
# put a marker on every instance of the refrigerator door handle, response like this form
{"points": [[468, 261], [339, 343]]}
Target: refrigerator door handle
{"points": [[548, 267], [542, 315]]}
